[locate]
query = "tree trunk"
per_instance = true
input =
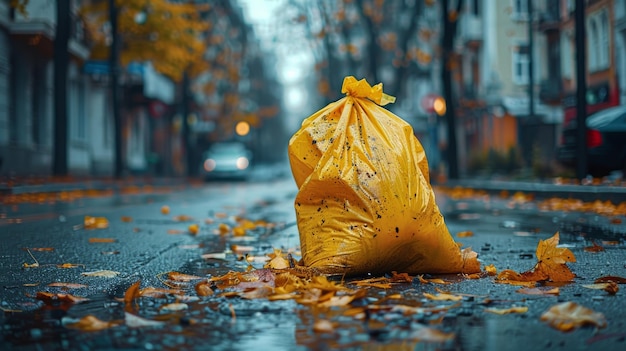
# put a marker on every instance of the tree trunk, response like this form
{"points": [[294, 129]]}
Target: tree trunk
{"points": [[447, 41], [61, 58], [115, 96]]}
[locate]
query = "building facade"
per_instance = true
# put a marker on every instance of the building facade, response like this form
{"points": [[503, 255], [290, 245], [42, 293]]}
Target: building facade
{"points": [[27, 100], [517, 80]]}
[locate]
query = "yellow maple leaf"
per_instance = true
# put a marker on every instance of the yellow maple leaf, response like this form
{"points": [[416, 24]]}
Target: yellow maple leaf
{"points": [[551, 260], [551, 265]]}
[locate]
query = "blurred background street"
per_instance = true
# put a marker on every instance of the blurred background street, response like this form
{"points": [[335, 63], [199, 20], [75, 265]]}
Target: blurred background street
{"points": [[112, 89]]}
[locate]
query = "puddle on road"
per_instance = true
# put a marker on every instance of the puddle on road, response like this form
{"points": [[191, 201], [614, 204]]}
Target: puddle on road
{"points": [[593, 232]]}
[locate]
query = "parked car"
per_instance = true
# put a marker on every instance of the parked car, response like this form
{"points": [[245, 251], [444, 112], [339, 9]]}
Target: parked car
{"points": [[606, 142], [226, 160]]}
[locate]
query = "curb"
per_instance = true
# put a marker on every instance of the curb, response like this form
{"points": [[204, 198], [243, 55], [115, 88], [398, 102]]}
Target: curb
{"points": [[98, 185], [611, 193]]}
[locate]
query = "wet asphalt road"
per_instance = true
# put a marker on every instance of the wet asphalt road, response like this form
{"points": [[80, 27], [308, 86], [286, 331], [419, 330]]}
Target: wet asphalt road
{"points": [[147, 243]]}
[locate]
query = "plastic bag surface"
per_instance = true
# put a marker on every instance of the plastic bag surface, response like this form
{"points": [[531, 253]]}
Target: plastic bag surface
{"points": [[365, 203]]}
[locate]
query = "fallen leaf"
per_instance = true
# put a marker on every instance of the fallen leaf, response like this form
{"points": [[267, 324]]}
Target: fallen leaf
{"points": [[277, 260], [594, 248], [241, 248], [323, 326], [611, 278], [132, 293], [40, 249], [133, 321], [432, 280], [569, 315], [215, 256], [491, 270], [88, 323], [443, 297], [223, 228], [127, 219], [516, 309], [102, 240], [550, 265], [165, 210], [182, 277], [538, 291], [95, 222], [182, 218], [465, 234], [610, 287], [204, 289], [176, 306], [101, 273], [174, 231], [69, 265], [193, 229], [158, 292], [48, 297]]}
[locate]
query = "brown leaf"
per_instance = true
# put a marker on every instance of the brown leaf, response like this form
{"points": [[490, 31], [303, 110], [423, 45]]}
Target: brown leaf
{"points": [[611, 278], [95, 222], [91, 323], [594, 248], [538, 291], [182, 277], [569, 315], [443, 297], [323, 326], [610, 287], [204, 289], [132, 293], [102, 240], [48, 298], [516, 309]]}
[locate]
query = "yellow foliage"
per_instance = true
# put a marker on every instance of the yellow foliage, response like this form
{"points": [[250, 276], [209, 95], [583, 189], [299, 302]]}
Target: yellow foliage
{"points": [[170, 37]]}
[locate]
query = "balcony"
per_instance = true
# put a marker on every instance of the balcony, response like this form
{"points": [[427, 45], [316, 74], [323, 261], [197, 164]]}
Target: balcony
{"points": [[549, 19], [471, 29]]}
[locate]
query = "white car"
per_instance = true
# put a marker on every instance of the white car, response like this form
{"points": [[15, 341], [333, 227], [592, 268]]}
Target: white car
{"points": [[226, 160]]}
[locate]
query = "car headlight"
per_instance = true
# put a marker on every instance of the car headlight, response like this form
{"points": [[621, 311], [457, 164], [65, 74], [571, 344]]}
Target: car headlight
{"points": [[209, 165], [242, 163]]}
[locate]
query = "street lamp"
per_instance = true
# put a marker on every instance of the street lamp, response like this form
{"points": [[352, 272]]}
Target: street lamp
{"points": [[242, 128]]}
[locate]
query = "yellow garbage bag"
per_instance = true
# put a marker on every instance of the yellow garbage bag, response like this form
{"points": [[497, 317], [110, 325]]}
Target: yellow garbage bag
{"points": [[365, 203]]}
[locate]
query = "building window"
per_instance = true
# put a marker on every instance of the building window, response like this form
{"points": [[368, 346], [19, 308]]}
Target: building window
{"points": [[566, 55], [598, 42], [521, 59], [519, 11], [604, 41], [594, 45]]}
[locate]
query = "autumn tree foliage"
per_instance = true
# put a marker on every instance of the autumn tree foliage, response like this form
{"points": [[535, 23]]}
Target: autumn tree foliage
{"points": [[168, 34], [381, 40]]}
